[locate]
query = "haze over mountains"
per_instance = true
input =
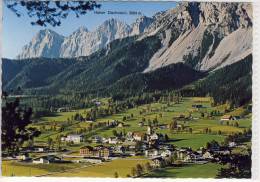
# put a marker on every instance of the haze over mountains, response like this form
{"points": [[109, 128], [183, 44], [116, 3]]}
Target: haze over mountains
{"points": [[168, 51]]}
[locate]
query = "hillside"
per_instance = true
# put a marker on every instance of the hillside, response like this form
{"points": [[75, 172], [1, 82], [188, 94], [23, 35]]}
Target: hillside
{"points": [[232, 83]]}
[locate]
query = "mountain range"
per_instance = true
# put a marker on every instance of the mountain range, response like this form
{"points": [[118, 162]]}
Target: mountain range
{"points": [[49, 44], [171, 50]]}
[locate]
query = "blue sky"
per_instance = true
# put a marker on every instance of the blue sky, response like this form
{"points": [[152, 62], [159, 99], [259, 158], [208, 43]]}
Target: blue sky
{"points": [[18, 31]]}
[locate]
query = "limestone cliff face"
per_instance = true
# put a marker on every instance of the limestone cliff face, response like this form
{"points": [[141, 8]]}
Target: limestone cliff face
{"points": [[205, 35], [46, 43], [82, 42]]}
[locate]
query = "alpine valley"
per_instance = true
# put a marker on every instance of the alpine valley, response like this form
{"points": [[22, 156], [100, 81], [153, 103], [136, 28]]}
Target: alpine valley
{"points": [[197, 49], [166, 96]]}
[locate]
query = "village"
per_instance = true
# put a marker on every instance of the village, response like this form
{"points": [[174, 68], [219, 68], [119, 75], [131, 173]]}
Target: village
{"points": [[154, 142]]}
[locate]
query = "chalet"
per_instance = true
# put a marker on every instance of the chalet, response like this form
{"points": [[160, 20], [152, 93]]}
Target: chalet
{"points": [[166, 153], [154, 136], [132, 147], [192, 156], [112, 123], [96, 139], [152, 153], [129, 137], [98, 151], [208, 155], [74, 138], [232, 144], [179, 125], [157, 162], [149, 130], [104, 140], [46, 159], [23, 157], [39, 149], [226, 118], [63, 138], [182, 153], [113, 140], [141, 124], [222, 151], [119, 149], [138, 136], [166, 147], [120, 125]]}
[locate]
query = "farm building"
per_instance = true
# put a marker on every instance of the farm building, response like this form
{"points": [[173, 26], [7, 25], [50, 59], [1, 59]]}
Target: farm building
{"points": [[46, 159], [166, 153], [96, 139], [141, 123], [226, 118], [152, 153], [208, 155], [138, 136], [113, 140], [120, 125], [74, 138]]}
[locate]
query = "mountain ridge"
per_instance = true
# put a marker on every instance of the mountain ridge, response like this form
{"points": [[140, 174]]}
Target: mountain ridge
{"points": [[81, 42]]}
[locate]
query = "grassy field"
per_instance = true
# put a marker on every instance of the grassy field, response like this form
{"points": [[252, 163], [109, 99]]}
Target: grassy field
{"points": [[107, 169], [195, 141], [12, 168], [208, 170], [164, 113]]}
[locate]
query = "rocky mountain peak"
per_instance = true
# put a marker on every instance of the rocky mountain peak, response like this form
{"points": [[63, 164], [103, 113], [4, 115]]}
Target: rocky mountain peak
{"points": [[197, 33], [140, 25]]}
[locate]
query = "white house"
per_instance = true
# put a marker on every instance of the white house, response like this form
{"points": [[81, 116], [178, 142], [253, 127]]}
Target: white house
{"points": [[152, 153], [22, 157], [40, 160], [46, 159], [226, 118], [232, 144], [96, 139], [74, 138], [120, 125], [112, 140], [208, 155], [166, 153], [40, 149], [154, 136]]}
